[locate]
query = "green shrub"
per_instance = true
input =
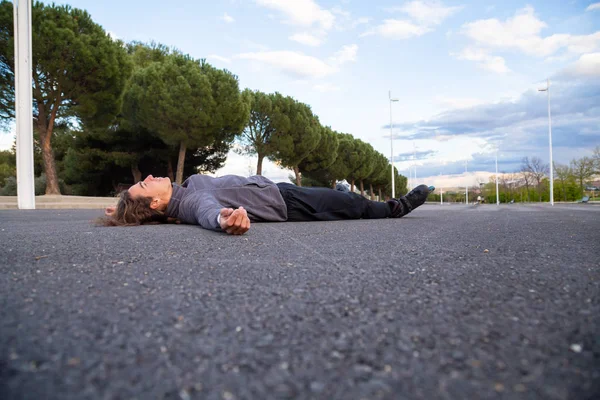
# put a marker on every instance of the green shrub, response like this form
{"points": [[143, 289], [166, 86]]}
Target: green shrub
{"points": [[6, 171], [40, 186], [10, 187]]}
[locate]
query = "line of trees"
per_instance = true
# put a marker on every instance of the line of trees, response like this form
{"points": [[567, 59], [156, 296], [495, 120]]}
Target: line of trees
{"points": [[531, 182], [106, 113]]}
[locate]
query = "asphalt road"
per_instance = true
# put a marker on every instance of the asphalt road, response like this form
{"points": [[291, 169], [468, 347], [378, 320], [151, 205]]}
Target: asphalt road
{"points": [[450, 302]]}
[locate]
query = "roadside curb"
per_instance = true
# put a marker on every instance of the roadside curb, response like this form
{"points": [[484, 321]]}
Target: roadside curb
{"points": [[60, 202]]}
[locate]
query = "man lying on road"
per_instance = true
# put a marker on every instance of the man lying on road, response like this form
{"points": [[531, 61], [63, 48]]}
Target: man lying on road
{"points": [[231, 202]]}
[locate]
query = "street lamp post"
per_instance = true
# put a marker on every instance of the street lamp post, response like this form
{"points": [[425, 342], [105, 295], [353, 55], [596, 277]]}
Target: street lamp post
{"points": [[547, 90], [415, 182], [23, 104], [441, 192], [497, 194], [466, 183], [392, 146]]}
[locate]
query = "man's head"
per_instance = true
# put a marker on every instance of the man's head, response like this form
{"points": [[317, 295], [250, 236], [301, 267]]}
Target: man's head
{"points": [[144, 202], [159, 190]]}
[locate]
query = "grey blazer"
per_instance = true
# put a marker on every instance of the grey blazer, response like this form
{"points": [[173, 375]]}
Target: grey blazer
{"points": [[200, 198]]}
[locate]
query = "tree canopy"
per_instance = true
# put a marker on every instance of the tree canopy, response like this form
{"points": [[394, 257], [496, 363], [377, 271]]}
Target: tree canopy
{"points": [[265, 115], [187, 103], [324, 155], [78, 72], [297, 135], [172, 98]]}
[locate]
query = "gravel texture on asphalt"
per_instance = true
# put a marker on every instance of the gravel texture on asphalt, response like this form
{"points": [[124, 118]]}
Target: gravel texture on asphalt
{"points": [[450, 302]]}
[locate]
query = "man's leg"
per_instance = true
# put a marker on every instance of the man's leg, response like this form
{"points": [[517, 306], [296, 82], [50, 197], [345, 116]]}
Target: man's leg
{"points": [[324, 204]]}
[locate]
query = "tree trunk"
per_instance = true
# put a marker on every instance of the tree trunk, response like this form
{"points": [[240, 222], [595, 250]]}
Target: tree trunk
{"points": [[180, 163], [362, 188], [135, 171], [259, 164], [298, 176], [372, 192], [48, 157], [333, 184], [170, 170], [45, 129], [380, 197], [352, 186]]}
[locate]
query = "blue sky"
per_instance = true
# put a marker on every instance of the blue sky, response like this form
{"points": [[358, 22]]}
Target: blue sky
{"points": [[465, 73]]}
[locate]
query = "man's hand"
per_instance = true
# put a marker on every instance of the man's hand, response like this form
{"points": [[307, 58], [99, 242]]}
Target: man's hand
{"points": [[234, 222], [110, 210]]}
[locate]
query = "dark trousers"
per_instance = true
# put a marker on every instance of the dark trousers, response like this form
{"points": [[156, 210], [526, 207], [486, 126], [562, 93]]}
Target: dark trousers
{"points": [[323, 204]]}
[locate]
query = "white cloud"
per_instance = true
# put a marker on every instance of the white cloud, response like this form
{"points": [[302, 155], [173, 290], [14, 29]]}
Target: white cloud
{"points": [[346, 54], [587, 65], [424, 15], [341, 12], [455, 149], [219, 58], [560, 58], [253, 46], [302, 66], [457, 102], [301, 12], [326, 87], [397, 29], [294, 63], [593, 6], [522, 33], [428, 13], [518, 127], [306, 38], [345, 21], [227, 18], [484, 59]]}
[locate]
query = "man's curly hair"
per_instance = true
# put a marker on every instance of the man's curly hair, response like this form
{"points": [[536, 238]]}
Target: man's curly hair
{"points": [[132, 211]]}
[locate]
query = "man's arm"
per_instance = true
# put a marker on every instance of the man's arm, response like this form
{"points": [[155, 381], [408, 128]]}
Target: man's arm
{"points": [[201, 208]]}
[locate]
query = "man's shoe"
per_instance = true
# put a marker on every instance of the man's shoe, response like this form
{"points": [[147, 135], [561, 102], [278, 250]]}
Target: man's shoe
{"points": [[405, 204]]}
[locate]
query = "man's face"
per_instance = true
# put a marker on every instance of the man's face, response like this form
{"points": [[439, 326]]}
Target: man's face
{"points": [[151, 187]]}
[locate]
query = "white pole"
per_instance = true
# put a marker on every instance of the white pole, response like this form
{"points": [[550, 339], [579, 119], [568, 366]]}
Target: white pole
{"points": [[497, 194], [466, 184], [550, 141], [392, 148], [23, 104], [392, 145], [441, 193], [415, 183]]}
